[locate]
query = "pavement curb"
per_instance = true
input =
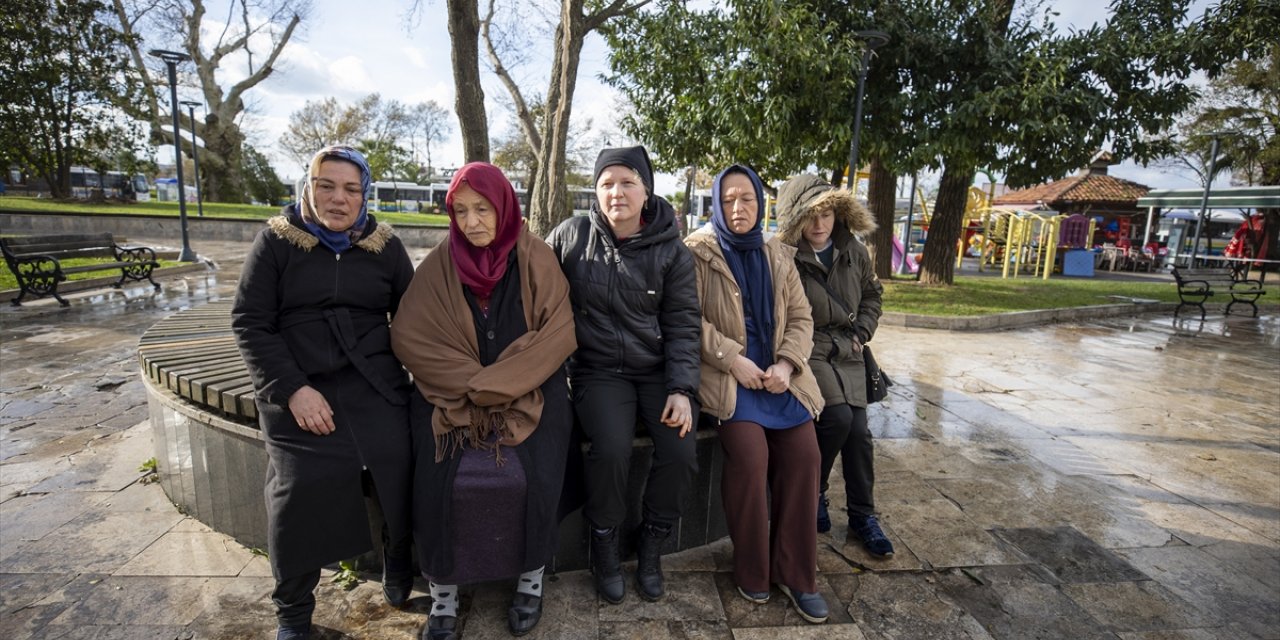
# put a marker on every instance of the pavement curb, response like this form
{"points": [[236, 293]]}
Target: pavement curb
{"points": [[1017, 319]]}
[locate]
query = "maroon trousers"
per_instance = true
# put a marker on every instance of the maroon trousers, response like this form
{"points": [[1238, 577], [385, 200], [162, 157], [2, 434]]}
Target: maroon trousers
{"points": [[772, 471]]}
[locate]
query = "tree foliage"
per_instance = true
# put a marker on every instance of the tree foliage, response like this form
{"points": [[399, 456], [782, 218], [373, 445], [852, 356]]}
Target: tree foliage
{"points": [[260, 178], [389, 129], [960, 85], [64, 72]]}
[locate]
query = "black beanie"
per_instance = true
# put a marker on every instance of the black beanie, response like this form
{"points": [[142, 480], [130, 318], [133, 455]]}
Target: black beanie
{"points": [[634, 157]]}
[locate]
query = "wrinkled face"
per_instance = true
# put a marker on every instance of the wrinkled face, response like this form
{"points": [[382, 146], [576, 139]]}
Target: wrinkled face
{"points": [[621, 194], [338, 194], [475, 216], [738, 198], [817, 230]]}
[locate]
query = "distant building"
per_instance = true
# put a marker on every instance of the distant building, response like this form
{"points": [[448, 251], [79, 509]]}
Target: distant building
{"points": [[1111, 201]]}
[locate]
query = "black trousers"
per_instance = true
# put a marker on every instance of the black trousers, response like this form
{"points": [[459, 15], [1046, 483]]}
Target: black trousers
{"points": [[609, 407], [842, 429], [295, 599]]}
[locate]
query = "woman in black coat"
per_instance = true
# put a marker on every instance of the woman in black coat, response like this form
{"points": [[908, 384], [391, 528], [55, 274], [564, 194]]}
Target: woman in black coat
{"points": [[635, 303], [311, 319]]}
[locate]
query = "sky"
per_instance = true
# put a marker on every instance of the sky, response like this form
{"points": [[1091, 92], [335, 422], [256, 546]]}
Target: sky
{"points": [[348, 50]]}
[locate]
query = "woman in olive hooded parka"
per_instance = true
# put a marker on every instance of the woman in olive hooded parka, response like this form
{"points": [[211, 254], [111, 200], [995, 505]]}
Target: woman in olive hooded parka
{"points": [[823, 223]]}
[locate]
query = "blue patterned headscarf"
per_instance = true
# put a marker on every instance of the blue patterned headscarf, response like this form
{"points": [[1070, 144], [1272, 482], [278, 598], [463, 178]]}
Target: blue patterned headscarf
{"points": [[747, 261], [337, 241]]}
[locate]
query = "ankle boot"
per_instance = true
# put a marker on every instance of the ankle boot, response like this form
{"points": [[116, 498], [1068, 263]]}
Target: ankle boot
{"points": [[649, 561], [606, 566]]}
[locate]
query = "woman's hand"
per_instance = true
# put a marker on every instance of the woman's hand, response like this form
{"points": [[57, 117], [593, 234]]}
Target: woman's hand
{"points": [[678, 413], [778, 378], [312, 411], [747, 373]]}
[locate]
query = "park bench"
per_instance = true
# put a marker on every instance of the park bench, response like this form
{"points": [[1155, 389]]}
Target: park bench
{"points": [[1196, 286], [36, 261]]}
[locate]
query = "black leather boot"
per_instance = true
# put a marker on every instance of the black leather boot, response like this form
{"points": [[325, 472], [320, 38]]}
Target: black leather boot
{"points": [[397, 571], [649, 561], [606, 566]]}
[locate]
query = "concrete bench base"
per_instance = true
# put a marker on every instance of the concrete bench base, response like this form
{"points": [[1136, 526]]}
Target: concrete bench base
{"points": [[214, 469]]}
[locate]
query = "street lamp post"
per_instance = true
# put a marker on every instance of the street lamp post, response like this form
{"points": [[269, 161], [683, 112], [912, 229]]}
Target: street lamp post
{"points": [[874, 40], [1204, 200], [171, 60], [195, 155]]}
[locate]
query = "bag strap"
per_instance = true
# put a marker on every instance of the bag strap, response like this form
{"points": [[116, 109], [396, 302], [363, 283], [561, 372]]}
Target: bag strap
{"points": [[853, 318]]}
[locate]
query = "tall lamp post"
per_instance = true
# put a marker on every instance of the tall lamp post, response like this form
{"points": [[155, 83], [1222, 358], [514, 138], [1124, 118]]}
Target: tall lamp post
{"points": [[874, 40], [171, 60], [1204, 200], [195, 155]]}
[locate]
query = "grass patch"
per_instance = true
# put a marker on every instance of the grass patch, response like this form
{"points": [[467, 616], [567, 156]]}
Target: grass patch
{"points": [[170, 209], [10, 281], [973, 296]]}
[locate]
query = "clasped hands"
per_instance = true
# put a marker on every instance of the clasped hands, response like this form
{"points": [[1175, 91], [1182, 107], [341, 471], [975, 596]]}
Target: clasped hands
{"points": [[775, 379]]}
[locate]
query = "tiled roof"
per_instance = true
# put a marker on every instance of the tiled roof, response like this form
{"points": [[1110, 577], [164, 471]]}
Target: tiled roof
{"points": [[1091, 187]]}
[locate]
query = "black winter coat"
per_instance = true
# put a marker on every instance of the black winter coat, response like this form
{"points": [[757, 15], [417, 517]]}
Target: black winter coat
{"points": [[304, 315], [635, 303]]}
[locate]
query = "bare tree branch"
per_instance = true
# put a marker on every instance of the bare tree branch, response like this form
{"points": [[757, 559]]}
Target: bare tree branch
{"points": [[612, 10], [523, 116]]}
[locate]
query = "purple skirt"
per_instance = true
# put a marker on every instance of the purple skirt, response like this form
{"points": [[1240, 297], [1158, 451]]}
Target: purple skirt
{"points": [[488, 518]]}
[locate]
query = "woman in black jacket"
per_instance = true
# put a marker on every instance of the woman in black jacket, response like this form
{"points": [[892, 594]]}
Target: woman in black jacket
{"points": [[635, 305], [311, 319]]}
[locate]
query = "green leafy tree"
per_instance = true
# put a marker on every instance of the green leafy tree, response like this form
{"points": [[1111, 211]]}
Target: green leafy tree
{"points": [[64, 72], [260, 178], [959, 86], [387, 161]]}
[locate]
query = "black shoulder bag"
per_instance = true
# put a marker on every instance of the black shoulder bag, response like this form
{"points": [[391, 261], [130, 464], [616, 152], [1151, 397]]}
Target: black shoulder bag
{"points": [[878, 382]]}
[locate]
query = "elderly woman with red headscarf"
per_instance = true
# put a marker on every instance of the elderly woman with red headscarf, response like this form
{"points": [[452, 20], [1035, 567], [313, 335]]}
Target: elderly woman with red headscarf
{"points": [[485, 329]]}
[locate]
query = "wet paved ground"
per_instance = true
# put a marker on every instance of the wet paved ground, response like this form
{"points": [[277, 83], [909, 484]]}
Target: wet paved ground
{"points": [[1108, 479]]}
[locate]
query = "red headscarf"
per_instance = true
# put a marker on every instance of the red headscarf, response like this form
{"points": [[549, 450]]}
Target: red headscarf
{"points": [[480, 268]]}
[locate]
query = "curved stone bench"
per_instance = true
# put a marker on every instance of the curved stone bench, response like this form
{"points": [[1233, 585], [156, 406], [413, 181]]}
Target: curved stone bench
{"points": [[212, 463]]}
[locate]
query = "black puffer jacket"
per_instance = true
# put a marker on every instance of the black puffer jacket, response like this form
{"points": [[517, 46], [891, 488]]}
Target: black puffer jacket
{"points": [[635, 303]]}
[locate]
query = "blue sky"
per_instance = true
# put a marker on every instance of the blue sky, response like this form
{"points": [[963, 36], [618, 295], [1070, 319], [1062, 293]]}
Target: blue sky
{"points": [[348, 50]]}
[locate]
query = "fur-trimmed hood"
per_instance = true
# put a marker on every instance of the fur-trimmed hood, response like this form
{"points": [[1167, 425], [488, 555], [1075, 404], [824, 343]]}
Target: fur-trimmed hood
{"points": [[801, 195], [375, 238]]}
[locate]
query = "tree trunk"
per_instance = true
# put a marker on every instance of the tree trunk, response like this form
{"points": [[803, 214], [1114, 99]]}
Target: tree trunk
{"points": [[464, 36], [549, 204], [221, 162], [882, 195], [938, 264], [837, 177]]}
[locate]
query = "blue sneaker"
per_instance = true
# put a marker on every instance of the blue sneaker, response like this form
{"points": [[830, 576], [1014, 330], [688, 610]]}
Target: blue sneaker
{"points": [[811, 606], [824, 518], [758, 597], [867, 530]]}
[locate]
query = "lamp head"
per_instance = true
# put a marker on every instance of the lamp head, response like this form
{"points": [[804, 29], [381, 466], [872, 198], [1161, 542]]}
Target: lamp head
{"points": [[172, 57], [874, 39], [189, 103]]}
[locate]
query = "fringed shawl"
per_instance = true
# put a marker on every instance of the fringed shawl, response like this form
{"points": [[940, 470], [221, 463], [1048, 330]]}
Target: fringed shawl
{"points": [[434, 336]]}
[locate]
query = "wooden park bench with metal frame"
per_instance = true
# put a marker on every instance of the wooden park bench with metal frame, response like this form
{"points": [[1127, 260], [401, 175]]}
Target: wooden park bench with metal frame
{"points": [[1196, 286], [36, 261]]}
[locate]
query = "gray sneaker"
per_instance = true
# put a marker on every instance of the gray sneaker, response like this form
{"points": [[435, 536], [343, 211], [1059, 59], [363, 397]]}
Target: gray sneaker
{"points": [[811, 606]]}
